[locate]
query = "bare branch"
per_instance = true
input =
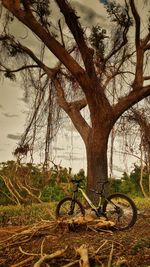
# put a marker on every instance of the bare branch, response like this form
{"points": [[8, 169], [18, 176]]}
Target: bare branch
{"points": [[128, 101], [73, 110], [61, 33], [137, 22], [19, 69], [72, 21], [61, 96], [147, 47], [146, 78], [145, 41], [55, 47]]}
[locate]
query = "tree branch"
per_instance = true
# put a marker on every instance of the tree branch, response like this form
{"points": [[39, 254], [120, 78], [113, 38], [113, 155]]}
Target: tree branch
{"points": [[15, 4], [123, 43], [19, 69], [79, 104], [137, 22], [147, 47], [50, 72], [129, 100], [72, 20], [54, 46], [145, 41], [146, 78], [138, 81], [73, 110], [30, 53]]}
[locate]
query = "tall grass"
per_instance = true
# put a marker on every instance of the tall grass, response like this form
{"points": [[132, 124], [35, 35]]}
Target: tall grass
{"points": [[24, 215]]}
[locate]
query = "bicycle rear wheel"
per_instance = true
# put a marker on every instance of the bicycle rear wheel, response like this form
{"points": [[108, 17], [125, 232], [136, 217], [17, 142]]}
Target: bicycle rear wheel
{"points": [[68, 208], [120, 209]]}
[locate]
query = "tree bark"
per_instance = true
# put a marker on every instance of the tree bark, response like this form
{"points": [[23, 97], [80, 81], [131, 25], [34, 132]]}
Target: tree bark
{"points": [[97, 171]]}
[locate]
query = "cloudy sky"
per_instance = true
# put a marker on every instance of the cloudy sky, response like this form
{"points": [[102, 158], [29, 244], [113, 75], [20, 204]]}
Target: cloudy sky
{"points": [[13, 108], [68, 148]]}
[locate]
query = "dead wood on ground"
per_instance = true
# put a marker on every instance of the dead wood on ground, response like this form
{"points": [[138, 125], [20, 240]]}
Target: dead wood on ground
{"points": [[43, 229], [86, 222]]}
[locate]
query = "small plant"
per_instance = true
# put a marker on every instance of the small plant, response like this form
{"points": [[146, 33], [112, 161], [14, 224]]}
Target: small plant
{"points": [[140, 244]]}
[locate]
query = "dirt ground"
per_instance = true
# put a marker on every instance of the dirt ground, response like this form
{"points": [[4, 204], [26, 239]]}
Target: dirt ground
{"points": [[23, 246]]}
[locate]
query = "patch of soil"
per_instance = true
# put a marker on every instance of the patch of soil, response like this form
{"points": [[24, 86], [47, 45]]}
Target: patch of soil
{"points": [[130, 248]]}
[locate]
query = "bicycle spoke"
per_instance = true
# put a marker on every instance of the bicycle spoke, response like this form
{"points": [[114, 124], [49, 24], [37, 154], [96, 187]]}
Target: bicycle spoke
{"points": [[68, 208], [121, 210]]}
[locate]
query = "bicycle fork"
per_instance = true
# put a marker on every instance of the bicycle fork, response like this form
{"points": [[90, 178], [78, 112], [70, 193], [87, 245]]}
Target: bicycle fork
{"points": [[72, 206]]}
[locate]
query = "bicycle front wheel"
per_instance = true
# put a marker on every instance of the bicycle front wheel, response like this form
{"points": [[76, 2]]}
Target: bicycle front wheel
{"points": [[120, 209], [68, 208]]}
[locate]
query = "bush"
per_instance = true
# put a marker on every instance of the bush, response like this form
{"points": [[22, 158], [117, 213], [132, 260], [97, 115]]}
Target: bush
{"points": [[52, 193], [50, 183], [130, 184]]}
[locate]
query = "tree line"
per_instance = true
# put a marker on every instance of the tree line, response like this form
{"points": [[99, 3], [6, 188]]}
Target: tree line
{"points": [[29, 183]]}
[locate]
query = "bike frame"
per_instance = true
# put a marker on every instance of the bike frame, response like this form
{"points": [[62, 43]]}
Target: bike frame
{"points": [[89, 201]]}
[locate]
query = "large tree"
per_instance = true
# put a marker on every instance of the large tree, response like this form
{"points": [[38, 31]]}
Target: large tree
{"points": [[88, 63]]}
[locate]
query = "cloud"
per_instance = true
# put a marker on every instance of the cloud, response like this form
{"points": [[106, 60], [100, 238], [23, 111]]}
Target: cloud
{"points": [[10, 115], [14, 136], [88, 15]]}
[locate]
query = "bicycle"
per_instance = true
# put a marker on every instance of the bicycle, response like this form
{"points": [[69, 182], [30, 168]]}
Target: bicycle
{"points": [[117, 207]]}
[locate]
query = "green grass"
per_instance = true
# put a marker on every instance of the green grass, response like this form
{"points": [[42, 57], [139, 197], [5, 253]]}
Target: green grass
{"points": [[24, 215], [142, 203]]}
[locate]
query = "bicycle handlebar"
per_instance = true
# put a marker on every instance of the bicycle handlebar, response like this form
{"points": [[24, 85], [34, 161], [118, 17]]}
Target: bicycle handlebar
{"points": [[75, 181]]}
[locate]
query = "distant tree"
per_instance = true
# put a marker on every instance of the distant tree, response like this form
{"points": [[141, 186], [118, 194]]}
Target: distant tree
{"points": [[135, 130], [85, 69], [141, 119]]}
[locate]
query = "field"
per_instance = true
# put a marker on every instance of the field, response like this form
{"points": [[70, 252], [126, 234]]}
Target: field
{"points": [[23, 245]]}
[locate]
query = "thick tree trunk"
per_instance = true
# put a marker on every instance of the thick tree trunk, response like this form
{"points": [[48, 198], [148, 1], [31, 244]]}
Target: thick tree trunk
{"points": [[97, 171]]}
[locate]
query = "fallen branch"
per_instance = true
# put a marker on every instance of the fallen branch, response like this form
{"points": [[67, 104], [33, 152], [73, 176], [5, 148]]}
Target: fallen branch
{"points": [[87, 221], [56, 254], [28, 233], [83, 252], [27, 253], [110, 256], [70, 263], [96, 252], [22, 263]]}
